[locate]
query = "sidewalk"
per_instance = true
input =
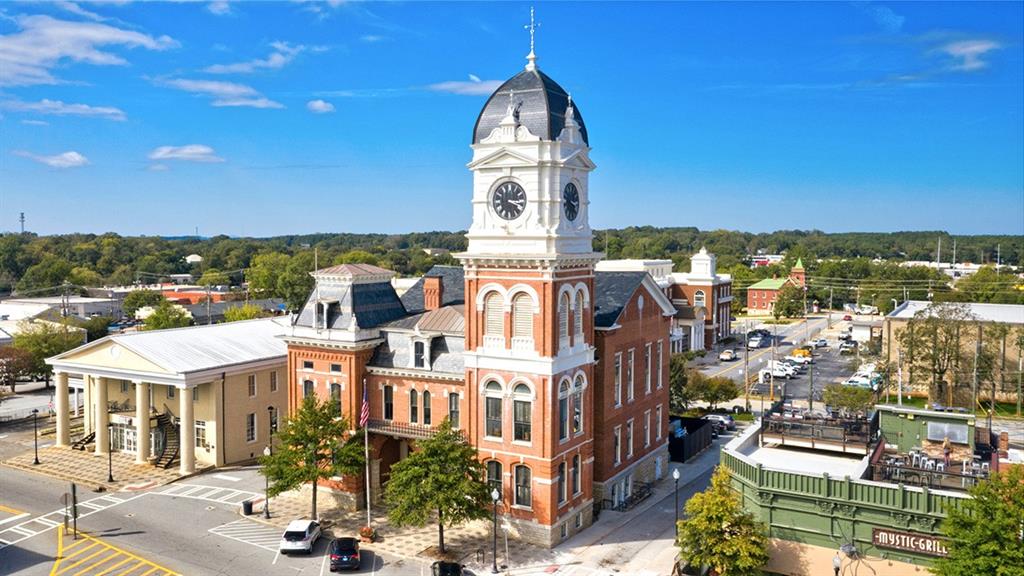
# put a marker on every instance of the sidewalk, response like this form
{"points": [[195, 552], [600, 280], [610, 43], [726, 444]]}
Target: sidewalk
{"points": [[90, 470], [471, 544]]}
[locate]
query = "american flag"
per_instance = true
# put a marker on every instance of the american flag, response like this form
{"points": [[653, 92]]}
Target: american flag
{"points": [[364, 414]]}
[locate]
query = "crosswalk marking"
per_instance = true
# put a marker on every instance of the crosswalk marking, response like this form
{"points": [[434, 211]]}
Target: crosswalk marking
{"points": [[208, 493], [89, 556], [249, 532], [35, 526]]}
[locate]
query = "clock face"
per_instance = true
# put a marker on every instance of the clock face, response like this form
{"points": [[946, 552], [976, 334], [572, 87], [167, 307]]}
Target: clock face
{"points": [[509, 200], [571, 200]]}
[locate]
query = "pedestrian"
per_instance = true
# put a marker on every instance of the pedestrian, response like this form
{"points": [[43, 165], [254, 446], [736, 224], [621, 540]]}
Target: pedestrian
{"points": [[946, 451]]}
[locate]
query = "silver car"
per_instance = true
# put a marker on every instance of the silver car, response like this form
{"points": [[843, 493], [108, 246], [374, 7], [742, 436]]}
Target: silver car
{"points": [[300, 536]]}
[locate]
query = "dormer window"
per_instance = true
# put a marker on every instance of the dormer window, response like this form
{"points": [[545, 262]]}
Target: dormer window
{"points": [[418, 354]]}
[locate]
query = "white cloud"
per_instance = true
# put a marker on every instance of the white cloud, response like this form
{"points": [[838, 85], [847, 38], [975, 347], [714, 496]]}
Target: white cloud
{"points": [[968, 54], [473, 87], [885, 18], [158, 168], [319, 106], [187, 153], [219, 7], [79, 11], [58, 108], [373, 38], [283, 54], [35, 123], [43, 43], [70, 159], [223, 93]]}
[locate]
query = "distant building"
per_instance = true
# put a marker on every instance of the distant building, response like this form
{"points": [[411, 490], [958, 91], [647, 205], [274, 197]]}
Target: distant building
{"points": [[952, 269], [434, 252], [760, 260], [761, 296], [214, 313], [81, 306], [194, 259]]}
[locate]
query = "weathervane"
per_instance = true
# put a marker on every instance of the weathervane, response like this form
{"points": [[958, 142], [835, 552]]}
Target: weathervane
{"points": [[532, 27]]}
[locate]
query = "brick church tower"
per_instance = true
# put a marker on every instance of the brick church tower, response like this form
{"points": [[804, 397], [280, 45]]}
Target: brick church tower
{"points": [[529, 306]]}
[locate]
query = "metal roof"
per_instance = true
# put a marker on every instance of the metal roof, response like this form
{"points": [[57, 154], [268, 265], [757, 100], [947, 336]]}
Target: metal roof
{"points": [[769, 284], [447, 320], [1003, 313], [198, 348], [353, 270], [542, 104]]}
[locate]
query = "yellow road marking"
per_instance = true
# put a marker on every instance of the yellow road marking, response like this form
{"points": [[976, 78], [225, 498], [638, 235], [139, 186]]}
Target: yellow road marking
{"points": [[107, 553], [10, 510]]}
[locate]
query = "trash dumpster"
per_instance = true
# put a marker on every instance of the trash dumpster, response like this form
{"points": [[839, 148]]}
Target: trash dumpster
{"points": [[247, 507]]}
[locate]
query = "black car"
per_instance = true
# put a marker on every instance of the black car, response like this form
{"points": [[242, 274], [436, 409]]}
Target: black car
{"points": [[441, 568], [344, 554]]}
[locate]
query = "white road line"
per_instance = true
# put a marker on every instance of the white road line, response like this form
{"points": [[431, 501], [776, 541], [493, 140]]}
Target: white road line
{"points": [[250, 533], [226, 477], [14, 518], [25, 533], [323, 564]]}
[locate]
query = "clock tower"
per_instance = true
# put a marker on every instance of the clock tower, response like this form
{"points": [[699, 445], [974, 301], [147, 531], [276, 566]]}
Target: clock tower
{"points": [[529, 305]]}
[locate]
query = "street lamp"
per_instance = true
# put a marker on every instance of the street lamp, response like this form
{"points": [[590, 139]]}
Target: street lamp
{"points": [[495, 496], [266, 486], [110, 452], [675, 476], [35, 433]]}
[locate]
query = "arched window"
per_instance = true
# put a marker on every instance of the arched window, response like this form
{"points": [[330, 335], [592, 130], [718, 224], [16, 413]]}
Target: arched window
{"points": [[426, 408], [522, 408], [698, 298], [494, 475], [336, 395], [577, 407], [492, 409], [563, 320], [522, 316], [413, 406], [577, 315], [494, 315], [524, 496], [563, 411]]}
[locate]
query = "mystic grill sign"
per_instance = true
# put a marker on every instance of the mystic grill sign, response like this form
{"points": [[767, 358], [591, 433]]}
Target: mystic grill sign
{"points": [[909, 542]]}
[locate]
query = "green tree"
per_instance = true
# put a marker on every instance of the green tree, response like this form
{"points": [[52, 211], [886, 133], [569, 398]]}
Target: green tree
{"points": [[244, 312], [15, 363], [720, 389], [139, 299], [167, 315], [985, 533], [680, 395], [789, 303], [51, 271], [295, 283], [263, 274], [42, 339], [719, 534], [443, 476], [83, 276], [850, 399], [96, 327], [934, 342], [356, 257], [314, 445], [213, 277]]}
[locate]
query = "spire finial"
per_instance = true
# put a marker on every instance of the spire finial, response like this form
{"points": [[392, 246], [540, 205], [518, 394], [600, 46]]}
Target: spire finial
{"points": [[531, 58]]}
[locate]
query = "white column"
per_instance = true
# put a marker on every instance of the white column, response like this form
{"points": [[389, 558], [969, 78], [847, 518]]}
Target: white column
{"points": [[102, 417], [142, 422], [89, 413], [63, 418], [187, 435], [77, 402]]}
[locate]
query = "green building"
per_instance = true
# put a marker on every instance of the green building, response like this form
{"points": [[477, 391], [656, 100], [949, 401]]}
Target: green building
{"points": [[871, 493]]}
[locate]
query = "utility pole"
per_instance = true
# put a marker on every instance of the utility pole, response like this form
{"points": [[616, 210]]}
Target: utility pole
{"points": [[974, 386], [829, 314], [21, 218], [999, 258], [746, 374], [938, 254], [208, 305], [954, 252]]}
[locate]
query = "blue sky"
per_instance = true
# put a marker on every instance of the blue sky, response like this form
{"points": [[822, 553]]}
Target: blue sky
{"points": [[272, 118]]}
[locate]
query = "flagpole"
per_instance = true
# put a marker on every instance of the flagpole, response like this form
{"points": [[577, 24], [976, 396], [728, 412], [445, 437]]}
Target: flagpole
{"points": [[366, 446]]}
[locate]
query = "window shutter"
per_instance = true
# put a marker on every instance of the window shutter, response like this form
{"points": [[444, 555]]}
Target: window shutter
{"points": [[494, 315], [563, 317], [577, 319], [522, 316]]}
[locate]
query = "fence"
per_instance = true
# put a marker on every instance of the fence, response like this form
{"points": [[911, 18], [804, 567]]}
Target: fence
{"points": [[697, 438]]}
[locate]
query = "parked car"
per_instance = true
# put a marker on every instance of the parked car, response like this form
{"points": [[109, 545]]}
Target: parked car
{"points": [[843, 336], [791, 368], [820, 343], [300, 536], [777, 372], [764, 332], [802, 353], [727, 355], [801, 360], [725, 419], [848, 318], [753, 343], [848, 347], [442, 568], [344, 554], [859, 382]]}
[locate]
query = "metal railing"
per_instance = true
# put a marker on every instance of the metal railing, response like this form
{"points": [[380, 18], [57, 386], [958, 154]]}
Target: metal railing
{"points": [[400, 429]]}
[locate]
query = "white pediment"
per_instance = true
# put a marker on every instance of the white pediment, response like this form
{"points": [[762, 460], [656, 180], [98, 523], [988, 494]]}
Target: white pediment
{"points": [[578, 159], [503, 157]]}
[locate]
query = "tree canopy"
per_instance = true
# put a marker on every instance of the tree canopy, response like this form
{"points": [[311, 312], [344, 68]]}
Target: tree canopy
{"points": [[167, 315], [850, 399], [718, 533], [442, 476], [139, 299], [42, 339], [244, 312], [315, 444], [986, 534]]}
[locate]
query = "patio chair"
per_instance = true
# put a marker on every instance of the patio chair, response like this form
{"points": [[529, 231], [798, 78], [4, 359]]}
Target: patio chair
{"points": [[929, 464], [940, 467]]}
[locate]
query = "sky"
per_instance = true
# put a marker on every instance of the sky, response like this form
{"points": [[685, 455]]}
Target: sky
{"points": [[260, 119]]}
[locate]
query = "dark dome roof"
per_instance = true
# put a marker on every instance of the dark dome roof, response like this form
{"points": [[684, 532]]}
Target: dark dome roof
{"points": [[542, 105]]}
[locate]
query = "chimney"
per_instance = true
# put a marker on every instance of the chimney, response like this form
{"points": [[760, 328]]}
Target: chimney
{"points": [[433, 292]]}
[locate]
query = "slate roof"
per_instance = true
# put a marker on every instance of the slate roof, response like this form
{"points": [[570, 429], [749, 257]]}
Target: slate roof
{"points": [[612, 292], [769, 284], [542, 106], [446, 353], [453, 284], [371, 304]]}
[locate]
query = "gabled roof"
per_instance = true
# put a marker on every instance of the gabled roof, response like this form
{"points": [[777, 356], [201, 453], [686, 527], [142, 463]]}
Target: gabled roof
{"points": [[769, 284], [453, 284], [612, 291], [199, 348], [449, 320]]}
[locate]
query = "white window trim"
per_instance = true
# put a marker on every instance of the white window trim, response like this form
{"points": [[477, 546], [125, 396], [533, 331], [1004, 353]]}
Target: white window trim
{"points": [[618, 379], [253, 385], [630, 433]]}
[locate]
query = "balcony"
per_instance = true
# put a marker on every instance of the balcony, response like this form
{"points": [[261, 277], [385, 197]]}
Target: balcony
{"points": [[399, 429], [849, 436]]}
